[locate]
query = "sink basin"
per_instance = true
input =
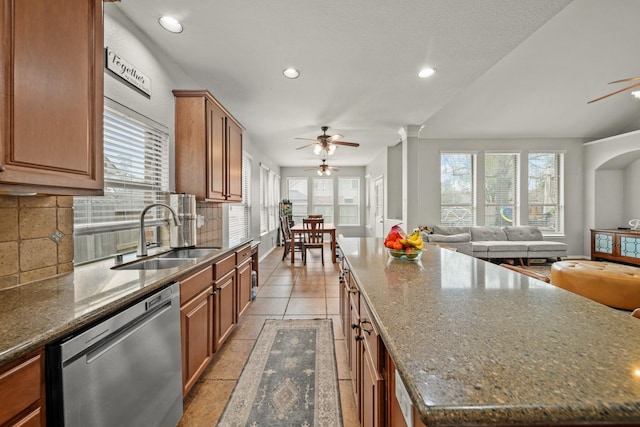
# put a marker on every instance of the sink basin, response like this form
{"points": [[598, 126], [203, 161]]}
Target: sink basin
{"points": [[155, 264], [192, 253]]}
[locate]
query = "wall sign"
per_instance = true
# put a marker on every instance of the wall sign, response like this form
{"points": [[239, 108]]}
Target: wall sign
{"points": [[123, 69]]}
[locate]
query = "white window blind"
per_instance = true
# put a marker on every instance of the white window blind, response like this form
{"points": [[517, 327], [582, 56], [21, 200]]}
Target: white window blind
{"points": [[322, 198], [136, 173], [240, 213], [457, 189], [501, 172], [348, 201], [272, 201], [297, 193], [545, 191], [264, 199]]}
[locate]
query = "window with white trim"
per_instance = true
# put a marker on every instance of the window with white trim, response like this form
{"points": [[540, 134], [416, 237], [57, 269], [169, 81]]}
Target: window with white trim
{"points": [[348, 201], [136, 165], [501, 189], [322, 198], [240, 213], [298, 195], [457, 189], [545, 196]]}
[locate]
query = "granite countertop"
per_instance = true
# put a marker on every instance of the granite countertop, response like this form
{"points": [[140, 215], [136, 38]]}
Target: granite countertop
{"points": [[478, 344], [36, 313]]}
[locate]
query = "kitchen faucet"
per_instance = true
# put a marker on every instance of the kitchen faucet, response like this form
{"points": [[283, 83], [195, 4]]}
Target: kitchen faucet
{"points": [[142, 242]]}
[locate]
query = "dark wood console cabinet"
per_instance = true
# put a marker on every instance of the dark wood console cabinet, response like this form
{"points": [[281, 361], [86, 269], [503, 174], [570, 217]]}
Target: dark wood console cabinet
{"points": [[616, 245]]}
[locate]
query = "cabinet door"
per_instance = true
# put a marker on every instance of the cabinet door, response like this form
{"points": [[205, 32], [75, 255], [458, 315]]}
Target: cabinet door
{"points": [[354, 342], [244, 286], [216, 140], [51, 96], [197, 337], [372, 404], [22, 391], [629, 247], [602, 243], [225, 307], [234, 158]]}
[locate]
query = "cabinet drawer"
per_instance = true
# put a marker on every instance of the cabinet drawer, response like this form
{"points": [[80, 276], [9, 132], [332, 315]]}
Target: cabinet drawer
{"points": [[193, 285], [224, 266], [243, 254], [20, 387]]}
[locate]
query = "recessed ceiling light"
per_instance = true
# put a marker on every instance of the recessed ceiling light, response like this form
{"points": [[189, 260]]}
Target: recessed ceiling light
{"points": [[291, 73], [170, 24], [426, 72]]}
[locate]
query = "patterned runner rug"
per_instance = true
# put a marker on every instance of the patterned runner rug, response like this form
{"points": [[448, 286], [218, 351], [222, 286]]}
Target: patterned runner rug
{"points": [[290, 378]]}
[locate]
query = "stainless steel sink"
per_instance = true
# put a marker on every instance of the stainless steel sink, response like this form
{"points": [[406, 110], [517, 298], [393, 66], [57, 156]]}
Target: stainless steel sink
{"points": [[192, 253], [156, 264]]}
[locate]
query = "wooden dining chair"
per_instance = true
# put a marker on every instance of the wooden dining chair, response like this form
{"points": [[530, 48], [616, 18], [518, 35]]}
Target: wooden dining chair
{"points": [[314, 216], [313, 236], [287, 239]]}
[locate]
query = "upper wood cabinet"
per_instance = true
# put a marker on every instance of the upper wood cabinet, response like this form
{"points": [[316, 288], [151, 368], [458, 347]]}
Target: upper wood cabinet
{"points": [[51, 97], [208, 148]]}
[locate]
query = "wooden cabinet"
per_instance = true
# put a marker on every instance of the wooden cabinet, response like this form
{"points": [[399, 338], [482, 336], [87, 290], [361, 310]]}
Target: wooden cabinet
{"points": [[365, 351], [243, 277], [197, 325], [616, 245], [208, 147], [51, 97], [224, 275], [22, 392]]}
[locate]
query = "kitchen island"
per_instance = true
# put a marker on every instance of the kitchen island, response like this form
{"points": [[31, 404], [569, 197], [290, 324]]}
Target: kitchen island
{"points": [[477, 344]]}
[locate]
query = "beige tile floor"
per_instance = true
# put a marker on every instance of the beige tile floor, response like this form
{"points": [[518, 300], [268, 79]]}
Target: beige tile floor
{"points": [[285, 292]]}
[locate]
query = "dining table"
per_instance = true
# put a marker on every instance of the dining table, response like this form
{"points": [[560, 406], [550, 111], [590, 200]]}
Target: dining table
{"points": [[325, 228]]}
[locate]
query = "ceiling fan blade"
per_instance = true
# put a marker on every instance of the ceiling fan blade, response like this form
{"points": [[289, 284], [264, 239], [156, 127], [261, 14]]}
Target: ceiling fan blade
{"points": [[305, 146], [307, 139], [625, 80], [334, 169], [335, 137], [348, 144], [613, 93]]}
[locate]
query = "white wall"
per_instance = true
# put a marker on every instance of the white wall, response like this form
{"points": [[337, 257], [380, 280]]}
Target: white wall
{"points": [[376, 169], [632, 201], [610, 196]]}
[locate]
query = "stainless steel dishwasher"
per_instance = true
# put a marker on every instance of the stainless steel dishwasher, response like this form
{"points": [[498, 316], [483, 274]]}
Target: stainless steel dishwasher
{"points": [[124, 371]]}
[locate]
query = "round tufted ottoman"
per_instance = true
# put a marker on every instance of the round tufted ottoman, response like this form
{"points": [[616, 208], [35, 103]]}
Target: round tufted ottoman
{"points": [[615, 285]]}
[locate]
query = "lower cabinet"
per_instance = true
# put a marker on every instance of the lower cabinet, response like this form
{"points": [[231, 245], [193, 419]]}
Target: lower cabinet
{"points": [[226, 317], [197, 325], [211, 302], [22, 392]]}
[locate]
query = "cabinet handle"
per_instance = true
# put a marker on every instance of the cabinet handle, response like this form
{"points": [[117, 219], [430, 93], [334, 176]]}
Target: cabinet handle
{"points": [[359, 338], [362, 323], [1, 168], [219, 288], [353, 290], [354, 325]]}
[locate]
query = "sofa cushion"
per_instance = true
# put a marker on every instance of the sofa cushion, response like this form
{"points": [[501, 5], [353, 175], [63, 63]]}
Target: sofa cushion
{"points": [[451, 238], [545, 246], [507, 246], [523, 233], [484, 233], [447, 230]]}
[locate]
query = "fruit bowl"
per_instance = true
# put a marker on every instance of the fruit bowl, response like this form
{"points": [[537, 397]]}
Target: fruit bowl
{"points": [[406, 254]]}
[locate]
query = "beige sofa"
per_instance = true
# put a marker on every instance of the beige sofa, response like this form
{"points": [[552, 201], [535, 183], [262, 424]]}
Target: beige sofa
{"points": [[517, 242]]}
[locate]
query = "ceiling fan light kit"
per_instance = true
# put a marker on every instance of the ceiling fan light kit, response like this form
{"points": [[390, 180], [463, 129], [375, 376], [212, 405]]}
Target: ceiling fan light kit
{"points": [[326, 143]]}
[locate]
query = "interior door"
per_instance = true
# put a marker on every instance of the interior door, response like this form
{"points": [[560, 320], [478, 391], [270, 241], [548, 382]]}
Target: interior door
{"points": [[378, 198]]}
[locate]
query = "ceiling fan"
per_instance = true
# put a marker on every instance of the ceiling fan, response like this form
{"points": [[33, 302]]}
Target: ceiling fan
{"points": [[634, 93], [323, 168], [326, 142]]}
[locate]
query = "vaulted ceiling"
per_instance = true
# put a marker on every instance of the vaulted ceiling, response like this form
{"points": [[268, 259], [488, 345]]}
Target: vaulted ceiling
{"points": [[505, 68]]}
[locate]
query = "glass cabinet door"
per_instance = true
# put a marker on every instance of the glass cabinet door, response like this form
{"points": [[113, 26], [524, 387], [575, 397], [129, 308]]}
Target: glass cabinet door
{"points": [[603, 243], [630, 246]]}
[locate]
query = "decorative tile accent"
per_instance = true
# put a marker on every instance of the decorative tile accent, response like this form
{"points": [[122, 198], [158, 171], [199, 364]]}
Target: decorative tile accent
{"points": [[56, 236]]}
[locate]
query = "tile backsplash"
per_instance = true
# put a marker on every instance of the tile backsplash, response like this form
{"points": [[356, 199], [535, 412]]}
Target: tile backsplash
{"points": [[36, 238]]}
